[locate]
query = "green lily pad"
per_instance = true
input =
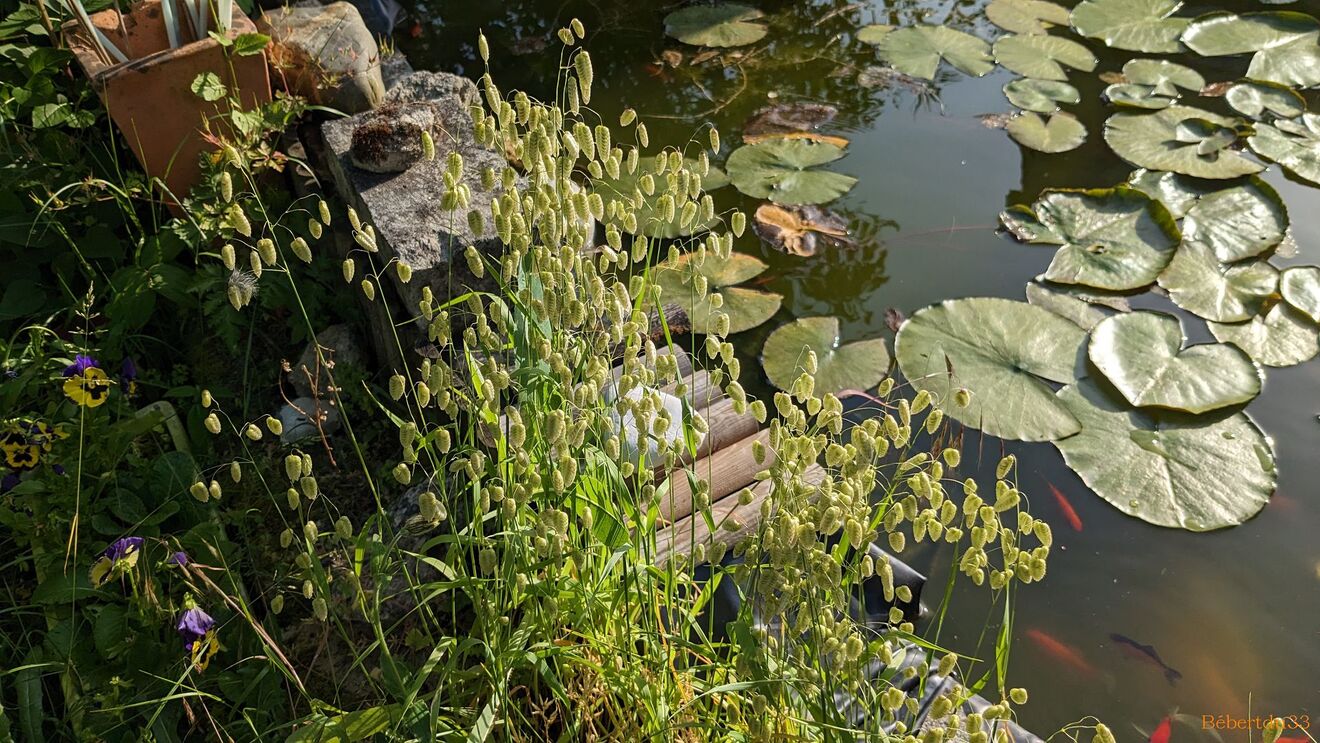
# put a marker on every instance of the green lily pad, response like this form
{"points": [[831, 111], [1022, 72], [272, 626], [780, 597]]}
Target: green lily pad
{"points": [[1116, 239], [1134, 25], [1283, 336], [1167, 469], [1284, 44], [1197, 282], [650, 220], [1239, 222], [1061, 132], [1026, 16], [1003, 352], [1042, 57], [856, 365], [918, 50], [1134, 95], [1142, 355], [1300, 286], [1157, 141], [1292, 143], [1255, 99], [722, 25], [873, 33], [1163, 76], [1177, 192], [1041, 96], [1071, 303], [782, 170], [747, 308]]}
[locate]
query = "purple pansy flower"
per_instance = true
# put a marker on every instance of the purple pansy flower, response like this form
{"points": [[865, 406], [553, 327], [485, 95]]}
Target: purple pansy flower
{"points": [[178, 558], [81, 363], [9, 482], [120, 548], [59, 469], [193, 626]]}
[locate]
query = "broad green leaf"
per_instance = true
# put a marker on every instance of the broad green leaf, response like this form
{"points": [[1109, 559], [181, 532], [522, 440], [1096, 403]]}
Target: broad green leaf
{"points": [[1134, 25], [917, 51], [1292, 143], [1134, 95], [1238, 222], [1300, 286], [1142, 355], [1003, 352], [720, 25], [1283, 43], [350, 727], [1163, 76], [1199, 283], [1177, 192], [746, 307], [1026, 16], [1151, 140], [1061, 132], [1254, 99], [650, 218], [1168, 469], [1041, 96], [782, 170], [1283, 336], [873, 33], [1042, 57], [1294, 63], [856, 365], [245, 45], [208, 87], [1067, 302]]}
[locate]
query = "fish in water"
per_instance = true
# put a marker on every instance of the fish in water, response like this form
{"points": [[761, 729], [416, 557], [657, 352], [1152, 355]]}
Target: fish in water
{"points": [[1069, 513], [1146, 653], [1060, 651], [1162, 732]]}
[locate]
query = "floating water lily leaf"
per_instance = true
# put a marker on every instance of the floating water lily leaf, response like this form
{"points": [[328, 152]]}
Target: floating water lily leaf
{"points": [[1293, 144], [1282, 337], [650, 220], [798, 230], [723, 24], [1117, 239], [746, 307], [1300, 286], [1238, 222], [781, 170], [1254, 99], [1134, 25], [1061, 132], [1134, 95], [1157, 141], [1165, 468], [1177, 192], [917, 51], [833, 139], [1001, 351], [1026, 16], [1199, 283], [1163, 76], [873, 33], [1142, 355], [1042, 57], [1042, 96], [1067, 302], [1284, 44], [856, 365]]}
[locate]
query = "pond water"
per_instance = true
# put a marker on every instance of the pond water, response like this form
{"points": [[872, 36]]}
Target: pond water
{"points": [[1236, 611]]}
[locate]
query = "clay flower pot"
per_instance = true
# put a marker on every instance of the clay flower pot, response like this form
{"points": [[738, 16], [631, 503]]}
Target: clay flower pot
{"points": [[150, 96]]}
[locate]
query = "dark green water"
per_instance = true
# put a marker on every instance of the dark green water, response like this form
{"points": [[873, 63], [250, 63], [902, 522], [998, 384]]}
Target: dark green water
{"points": [[1237, 612]]}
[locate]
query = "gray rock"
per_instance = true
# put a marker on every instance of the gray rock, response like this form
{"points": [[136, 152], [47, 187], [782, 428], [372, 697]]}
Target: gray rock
{"points": [[394, 66], [300, 419], [325, 53], [341, 349], [389, 140], [437, 87]]}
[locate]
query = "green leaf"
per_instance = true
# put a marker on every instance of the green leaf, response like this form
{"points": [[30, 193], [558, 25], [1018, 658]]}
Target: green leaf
{"points": [[747, 308], [1163, 76], [1116, 239], [719, 25], [1134, 25], [1199, 283], [1283, 44], [1238, 222], [350, 727], [1082, 307], [1042, 57], [1041, 96], [1142, 355], [1168, 469], [110, 632], [1151, 140], [245, 45], [1254, 100], [208, 87], [1061, 132], [1283, 336], [1177, 192], [918, 50], [873, 33], [856, 365], [1300, 286], [1292, 143], [1134, 95], [1026, 16], [171, 474], [1003, 352], [782, 170]]}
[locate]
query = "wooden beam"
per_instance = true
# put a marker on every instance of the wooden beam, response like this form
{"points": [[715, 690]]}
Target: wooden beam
{"points": [[727, 470]]}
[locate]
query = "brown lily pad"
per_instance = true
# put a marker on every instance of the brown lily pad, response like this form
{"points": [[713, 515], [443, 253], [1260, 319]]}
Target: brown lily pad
{"points": [[799, 230], [790, 117], [833, 139]]}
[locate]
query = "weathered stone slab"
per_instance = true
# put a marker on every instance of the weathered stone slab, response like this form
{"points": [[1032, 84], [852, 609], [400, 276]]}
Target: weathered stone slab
{"points": [[326, 54]]}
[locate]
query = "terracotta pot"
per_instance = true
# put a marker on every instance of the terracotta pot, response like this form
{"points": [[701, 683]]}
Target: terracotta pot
{"points": [[150, 96]]}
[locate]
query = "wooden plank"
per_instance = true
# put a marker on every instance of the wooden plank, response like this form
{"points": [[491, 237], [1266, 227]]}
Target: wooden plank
{"points": [[680, 538], [723, 428], [727, 470]]}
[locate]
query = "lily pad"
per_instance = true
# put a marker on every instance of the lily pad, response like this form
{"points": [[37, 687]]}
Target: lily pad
{"points": [[1300, 286], [1135, 95], [1026, 16], [721, 25], [650, 219], [1292, 143], [1069, 303], [1283, 44], [856, 365], [1239, 222], [1041, 96], [1134, 25], [798, 230], [1163, 76], [1177, 192], [1165, 468], [1142, 355], [782, 118], [1158, 141], [1116, 239], [1283, 336], [873, 33], [782, 170], [1003, 352], [918, 50], [1042, 57], [1255, 99], [1061, 132], [747, 308], [1199, 283]]}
